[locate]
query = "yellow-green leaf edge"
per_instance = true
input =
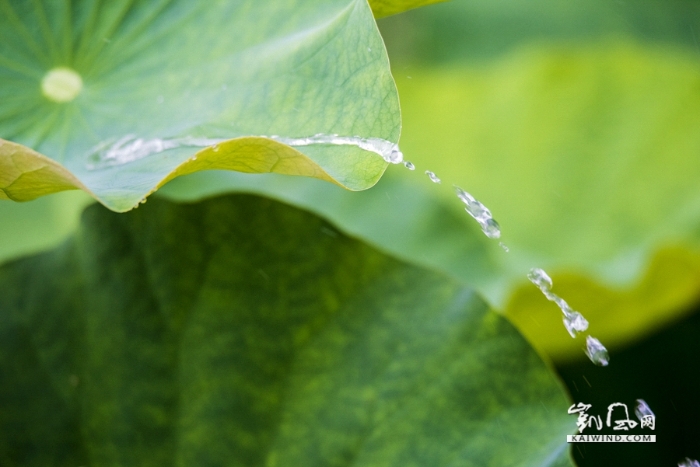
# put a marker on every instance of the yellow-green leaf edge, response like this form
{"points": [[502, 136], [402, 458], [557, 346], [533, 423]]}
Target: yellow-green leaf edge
{"points": [[26, 174], [382, 8]]}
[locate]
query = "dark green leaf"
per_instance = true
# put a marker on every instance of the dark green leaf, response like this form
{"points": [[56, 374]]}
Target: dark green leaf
{"points": [[241, 331]]}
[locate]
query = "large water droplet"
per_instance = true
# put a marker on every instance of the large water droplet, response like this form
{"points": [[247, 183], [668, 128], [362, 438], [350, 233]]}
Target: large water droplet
{"points": [[597, 351], [409, 165], [386, 149], [431, 175]]}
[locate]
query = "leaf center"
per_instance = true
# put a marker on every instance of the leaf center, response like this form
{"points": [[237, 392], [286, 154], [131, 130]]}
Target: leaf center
{"points": [[61, 84]]}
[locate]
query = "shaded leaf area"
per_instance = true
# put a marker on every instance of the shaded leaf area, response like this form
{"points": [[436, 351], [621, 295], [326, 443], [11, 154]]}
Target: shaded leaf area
{"points": [[241, 331], [382, 8], [161, 81], [663, 370]]}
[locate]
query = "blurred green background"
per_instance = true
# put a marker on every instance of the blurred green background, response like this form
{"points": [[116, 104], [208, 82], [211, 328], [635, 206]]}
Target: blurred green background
{"points": [[578, 125]]}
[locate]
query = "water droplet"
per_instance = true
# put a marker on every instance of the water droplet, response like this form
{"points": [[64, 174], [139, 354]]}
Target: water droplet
{"points": [[491, 228], [574, 322], [409, 165], [386, 149], [540, 278], [431, 175], [480, 213], [688, 462], [143, 201], [503, 245], [597, 351], [215, 148], [642, 410], [130, 148]]}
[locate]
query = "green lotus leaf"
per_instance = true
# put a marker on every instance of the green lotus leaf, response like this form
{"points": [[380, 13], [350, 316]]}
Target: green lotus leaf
{"points": [[118, 98], [241, 331]]}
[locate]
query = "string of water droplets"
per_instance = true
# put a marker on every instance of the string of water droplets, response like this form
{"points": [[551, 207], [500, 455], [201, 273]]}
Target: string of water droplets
{"points": [[574, 322]]}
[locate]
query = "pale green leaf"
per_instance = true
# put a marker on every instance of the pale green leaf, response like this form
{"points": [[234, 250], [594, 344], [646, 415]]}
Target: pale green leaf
{"points": [[188, 74]]}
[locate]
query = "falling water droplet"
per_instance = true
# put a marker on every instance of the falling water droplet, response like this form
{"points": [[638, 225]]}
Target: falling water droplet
{"points": [[480, 213], [503, 245], [642, 410], [431, 175], [409, 165], [540, 278], [597, 351], [688, 462], [574, 322]]}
